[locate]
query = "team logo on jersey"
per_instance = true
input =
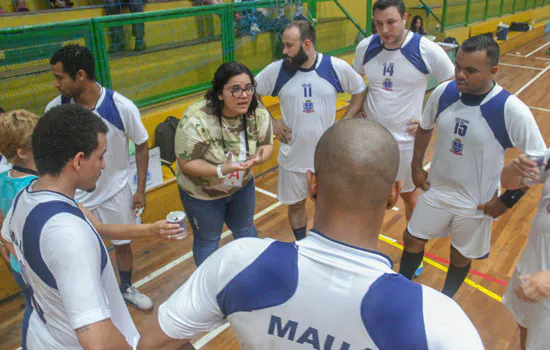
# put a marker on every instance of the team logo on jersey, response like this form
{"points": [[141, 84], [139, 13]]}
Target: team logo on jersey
{"points": [[308, 107], [457, 147], [387, 85]]}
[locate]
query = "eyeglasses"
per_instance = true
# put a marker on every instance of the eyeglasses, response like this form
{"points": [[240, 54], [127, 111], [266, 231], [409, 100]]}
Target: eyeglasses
{"points": [[237, 91]]}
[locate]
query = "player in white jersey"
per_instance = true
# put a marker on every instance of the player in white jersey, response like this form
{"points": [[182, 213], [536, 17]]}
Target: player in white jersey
{"points": [[76, 299], [397, 64], [528, 294], [477, 120], [307, 84], [112, 202], [331, 290]]}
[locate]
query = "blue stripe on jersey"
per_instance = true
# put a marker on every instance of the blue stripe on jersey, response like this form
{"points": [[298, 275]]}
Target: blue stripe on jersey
{"points": [[374, 48], [325, 70], [109, 111], [268, 281], [493, 113], [411, 51], [32, 230], [393, 315], [449, 96]]}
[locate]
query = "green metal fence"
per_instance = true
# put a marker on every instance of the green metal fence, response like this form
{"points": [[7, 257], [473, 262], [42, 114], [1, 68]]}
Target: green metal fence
{"points": [[186, 47]]}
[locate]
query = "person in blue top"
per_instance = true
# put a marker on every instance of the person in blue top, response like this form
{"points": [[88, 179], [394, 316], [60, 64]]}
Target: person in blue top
{"points": [[15, 145]]}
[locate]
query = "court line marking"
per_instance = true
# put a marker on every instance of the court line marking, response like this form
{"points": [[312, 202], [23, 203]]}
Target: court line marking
{"points": [[532, 81], [537, 50], [445, 268], [542, 58], [210, 335], [540, 109], [518, 66], [515, 55]]}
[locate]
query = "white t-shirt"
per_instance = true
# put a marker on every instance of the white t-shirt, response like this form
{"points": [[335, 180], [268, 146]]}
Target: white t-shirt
{"points": [[317, 293], [471, 143], [398, 79], [68, 269], [124, 121], [308, 104]]}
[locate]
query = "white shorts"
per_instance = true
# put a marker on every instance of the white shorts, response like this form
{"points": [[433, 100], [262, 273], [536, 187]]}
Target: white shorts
{"points": [[117, 210], [405, 173], [536, 257], [470, 236], [292, 187]]}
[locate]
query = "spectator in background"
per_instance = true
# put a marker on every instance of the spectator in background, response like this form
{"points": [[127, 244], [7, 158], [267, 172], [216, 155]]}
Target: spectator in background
{"points": [[417, 25], [61, 4], [218, 141], [18, 6], [15, 145], [114, 7]]}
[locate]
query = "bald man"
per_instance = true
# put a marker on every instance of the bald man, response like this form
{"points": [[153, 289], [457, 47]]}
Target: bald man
{"points": [[331, 290]]}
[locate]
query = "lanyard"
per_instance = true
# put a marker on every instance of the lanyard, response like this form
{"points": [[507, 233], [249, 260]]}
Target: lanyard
{"points": [[25, 170], [243, 118]]}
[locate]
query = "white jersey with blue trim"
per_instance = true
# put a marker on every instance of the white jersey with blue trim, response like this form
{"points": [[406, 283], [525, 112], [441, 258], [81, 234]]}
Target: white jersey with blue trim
{"points": [[67, 268], [124, 121], [308, 103], [398, 79], [472, 139], [313, 294]]}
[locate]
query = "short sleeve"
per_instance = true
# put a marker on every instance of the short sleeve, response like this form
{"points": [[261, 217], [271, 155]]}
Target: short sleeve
{"points": [[266, 79], [360, 55], [265, 128], [447, 325], [131, 118], [522, 127], [429, 116], [439, 63], [194, 307], [72, 252], [351, 81], [191, 136]]}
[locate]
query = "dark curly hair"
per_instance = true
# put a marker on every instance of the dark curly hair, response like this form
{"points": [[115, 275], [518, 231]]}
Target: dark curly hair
{"points": [[75, 58], [63, 132], [225, 72]]}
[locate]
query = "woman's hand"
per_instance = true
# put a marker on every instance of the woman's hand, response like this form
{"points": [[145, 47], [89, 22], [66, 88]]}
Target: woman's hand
{"points": [[229, 166]]}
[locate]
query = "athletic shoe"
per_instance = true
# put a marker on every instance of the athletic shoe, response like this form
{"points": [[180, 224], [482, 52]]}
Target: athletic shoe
{"points": [[419, 270], [140, 45], [138, 299]]}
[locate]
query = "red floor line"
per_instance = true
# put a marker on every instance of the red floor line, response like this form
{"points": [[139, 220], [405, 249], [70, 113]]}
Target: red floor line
{"points": [[473, 272]]}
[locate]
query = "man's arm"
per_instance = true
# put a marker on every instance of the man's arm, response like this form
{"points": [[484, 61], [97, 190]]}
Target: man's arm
{"points": [[142, 163], [101, 335], [421, 142], [155, 338], [161, 228], [356, 105]]}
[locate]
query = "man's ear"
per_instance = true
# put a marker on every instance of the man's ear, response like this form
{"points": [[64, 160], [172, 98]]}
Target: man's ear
{"points": [[76, 161], [312, 185], [394, 194], [494, 70]]}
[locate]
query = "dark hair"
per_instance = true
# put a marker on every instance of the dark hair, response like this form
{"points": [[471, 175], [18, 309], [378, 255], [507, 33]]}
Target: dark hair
{"points": [[75, 58], [483, 43], [384, 4], [63, 132], [307, 32], [225, 72], [413, 24]]}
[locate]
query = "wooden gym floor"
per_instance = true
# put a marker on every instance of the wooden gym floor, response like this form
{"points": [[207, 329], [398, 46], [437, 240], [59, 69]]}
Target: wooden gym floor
{"points": [[160, 267]]}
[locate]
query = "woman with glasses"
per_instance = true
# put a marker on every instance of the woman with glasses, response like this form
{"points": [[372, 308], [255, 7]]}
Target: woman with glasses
{"points": [[218, 141]]}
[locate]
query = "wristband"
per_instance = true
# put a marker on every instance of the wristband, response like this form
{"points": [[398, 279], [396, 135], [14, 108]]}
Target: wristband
{"points": [[219, 171], [511, 197]]}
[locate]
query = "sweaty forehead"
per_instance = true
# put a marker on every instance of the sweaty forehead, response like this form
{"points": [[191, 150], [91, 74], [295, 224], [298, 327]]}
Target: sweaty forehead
{"points": [[471, 59], [387, 14]]}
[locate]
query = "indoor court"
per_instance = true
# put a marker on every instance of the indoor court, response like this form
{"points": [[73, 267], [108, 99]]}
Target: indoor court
{"points": [[161, 267]]}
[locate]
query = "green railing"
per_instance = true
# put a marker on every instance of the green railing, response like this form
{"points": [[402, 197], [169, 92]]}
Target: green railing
{"points": [[180, 59], [462, 13]]}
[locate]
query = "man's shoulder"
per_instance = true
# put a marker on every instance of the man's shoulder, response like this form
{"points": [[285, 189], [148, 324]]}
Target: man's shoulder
{"points": [[54, 103]]}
